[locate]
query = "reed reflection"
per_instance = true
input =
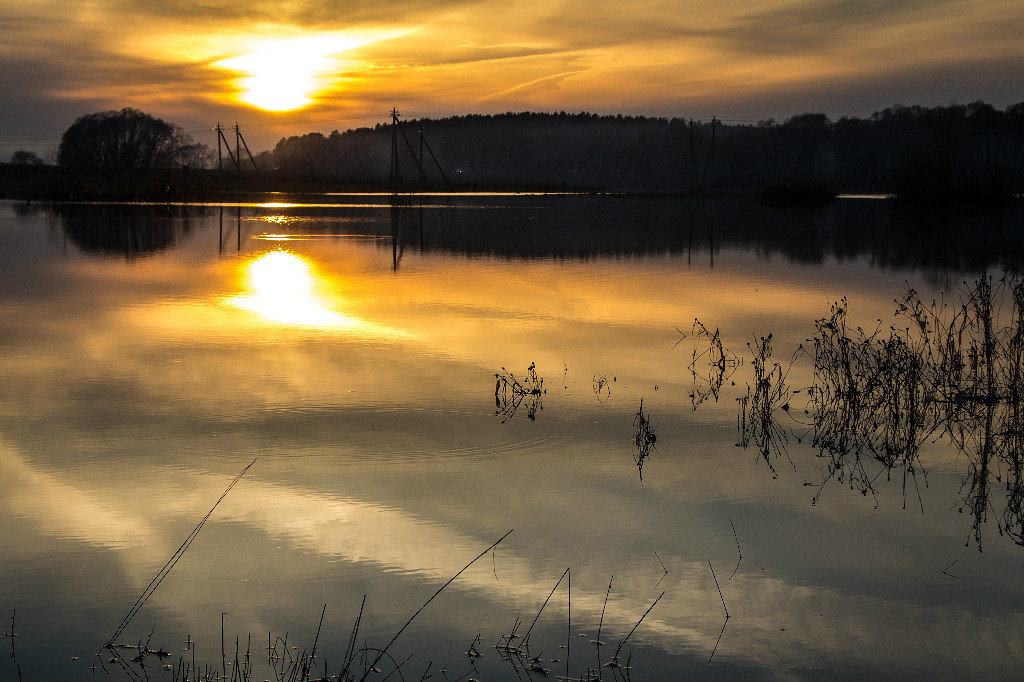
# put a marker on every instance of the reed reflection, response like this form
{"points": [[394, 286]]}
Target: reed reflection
{"points": [[758, 421], [711, 364], [950, 372], [510, 393], [644, 438], [873, 397]]}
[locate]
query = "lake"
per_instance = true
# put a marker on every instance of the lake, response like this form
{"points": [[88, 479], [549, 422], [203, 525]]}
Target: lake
{"points": [[703, 462]]}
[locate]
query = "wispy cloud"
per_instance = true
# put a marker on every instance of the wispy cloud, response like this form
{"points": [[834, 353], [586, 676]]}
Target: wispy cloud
{"points": [[463, 55], [543, 80]]}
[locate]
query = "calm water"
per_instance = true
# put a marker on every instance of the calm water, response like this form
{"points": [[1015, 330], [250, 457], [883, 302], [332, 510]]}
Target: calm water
{"points": [[150, 353]]}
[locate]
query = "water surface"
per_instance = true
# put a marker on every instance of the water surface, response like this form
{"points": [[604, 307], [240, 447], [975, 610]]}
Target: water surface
{"points": [[152, 352]]}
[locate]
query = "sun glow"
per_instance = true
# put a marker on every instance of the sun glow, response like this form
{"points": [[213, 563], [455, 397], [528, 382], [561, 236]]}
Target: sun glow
{"points": [[288, 74], [283, 288]]}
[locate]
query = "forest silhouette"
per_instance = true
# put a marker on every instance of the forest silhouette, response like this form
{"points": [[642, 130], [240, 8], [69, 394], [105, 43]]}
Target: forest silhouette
{"points": [[949, 151], [944, 153]]}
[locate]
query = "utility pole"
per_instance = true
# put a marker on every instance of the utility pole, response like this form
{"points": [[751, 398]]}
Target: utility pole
{"points": [[711, 146], [436, 162], [693, 159], [700, 179], [423, 175], [238, 136], [394, 176], [220, 160], [220, 137]]}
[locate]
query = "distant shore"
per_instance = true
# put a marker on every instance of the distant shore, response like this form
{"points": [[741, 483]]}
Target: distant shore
{"points": [[56, 184]]}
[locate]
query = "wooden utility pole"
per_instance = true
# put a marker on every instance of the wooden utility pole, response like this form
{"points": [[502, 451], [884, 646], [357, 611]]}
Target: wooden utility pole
{"points": [[711, 146], [700, 179], [693, 159], [238, 136], [394, 175], [423, 175], [220, 137], [436, 162]]}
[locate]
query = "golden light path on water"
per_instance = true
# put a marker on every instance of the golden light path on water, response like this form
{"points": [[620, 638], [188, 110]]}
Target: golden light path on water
{"points": [[284, 288]]}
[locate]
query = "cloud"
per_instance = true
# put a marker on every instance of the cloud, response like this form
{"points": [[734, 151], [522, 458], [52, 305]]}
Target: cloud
{"points": [[530, 85], [816, 25], [659, 57], [305, 13]]}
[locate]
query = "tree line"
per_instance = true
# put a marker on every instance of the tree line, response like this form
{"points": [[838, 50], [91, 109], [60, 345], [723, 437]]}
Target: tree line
{"points": [[954, 150], [971, 150]]}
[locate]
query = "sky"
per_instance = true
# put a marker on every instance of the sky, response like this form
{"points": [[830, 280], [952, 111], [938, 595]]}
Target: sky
{"points": [[289, 67]]}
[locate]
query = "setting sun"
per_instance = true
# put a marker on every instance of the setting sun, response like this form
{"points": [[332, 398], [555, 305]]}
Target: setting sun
{"points": [[287, 74]]}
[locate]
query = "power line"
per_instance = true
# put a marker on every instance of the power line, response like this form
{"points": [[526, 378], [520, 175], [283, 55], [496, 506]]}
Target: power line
{"points": [[316, 121]]}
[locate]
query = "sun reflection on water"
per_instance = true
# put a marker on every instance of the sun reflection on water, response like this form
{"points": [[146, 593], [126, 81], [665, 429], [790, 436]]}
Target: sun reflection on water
{"points": [[284, 288]]}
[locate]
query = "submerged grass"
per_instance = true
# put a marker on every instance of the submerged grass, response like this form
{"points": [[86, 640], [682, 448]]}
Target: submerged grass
{"points": [[510, 393], [287, 663], [711, 364], [10, 634], [952, 371], [757, 422], [515, 649], [946, 370], [644, 438], [169, 566]]}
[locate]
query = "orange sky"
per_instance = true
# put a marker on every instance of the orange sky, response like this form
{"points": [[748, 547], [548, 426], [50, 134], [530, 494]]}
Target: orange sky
{"points": [[290, 67]]}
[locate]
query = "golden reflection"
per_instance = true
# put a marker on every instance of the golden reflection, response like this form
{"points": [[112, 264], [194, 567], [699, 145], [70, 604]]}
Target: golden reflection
{"points": [[284, 288]]}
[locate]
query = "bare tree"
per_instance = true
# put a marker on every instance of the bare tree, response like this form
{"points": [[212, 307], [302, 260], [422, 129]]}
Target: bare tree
{"points": [[127, 140], [23, 157]]}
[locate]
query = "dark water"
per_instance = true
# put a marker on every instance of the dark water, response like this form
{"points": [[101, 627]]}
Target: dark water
{"points": [[150, 353]]}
